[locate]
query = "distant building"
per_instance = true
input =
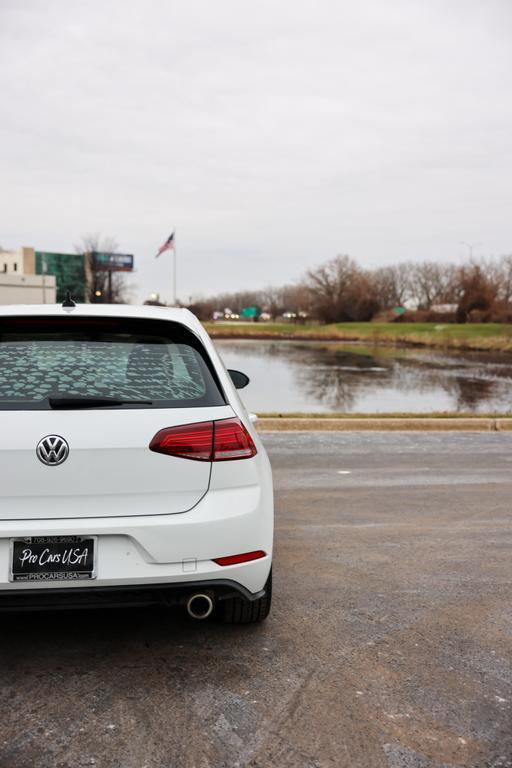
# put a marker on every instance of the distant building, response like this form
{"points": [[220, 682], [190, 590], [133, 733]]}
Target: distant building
{"points": [[21, 261], [45, 277], [69, 270], [19, 283]]}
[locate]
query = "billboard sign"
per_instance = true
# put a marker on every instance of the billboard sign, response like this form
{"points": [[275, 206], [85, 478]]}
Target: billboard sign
{"points": [[112, 262]]}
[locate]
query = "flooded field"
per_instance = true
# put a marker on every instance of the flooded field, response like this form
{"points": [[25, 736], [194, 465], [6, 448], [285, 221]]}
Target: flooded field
{"points": [[289, 376]]}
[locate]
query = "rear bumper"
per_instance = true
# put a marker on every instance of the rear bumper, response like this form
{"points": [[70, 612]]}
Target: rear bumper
{"points": [[162, 551], [121, 596]]}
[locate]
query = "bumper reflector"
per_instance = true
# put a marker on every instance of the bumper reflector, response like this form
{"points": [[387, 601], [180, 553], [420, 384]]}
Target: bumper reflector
{"points": [[237, 559]]}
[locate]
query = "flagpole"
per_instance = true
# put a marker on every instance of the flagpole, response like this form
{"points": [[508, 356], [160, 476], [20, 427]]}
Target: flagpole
{"points": [[174, 274]]}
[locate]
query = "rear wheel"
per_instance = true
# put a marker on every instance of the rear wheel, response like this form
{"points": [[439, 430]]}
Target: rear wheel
{"points": [[237, 610]]}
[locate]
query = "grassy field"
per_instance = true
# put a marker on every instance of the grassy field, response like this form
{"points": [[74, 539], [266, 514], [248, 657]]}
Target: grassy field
{"points": [[488, 336]]}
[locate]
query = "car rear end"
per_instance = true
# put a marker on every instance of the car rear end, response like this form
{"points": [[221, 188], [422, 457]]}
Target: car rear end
{"points": [[130, 471]]}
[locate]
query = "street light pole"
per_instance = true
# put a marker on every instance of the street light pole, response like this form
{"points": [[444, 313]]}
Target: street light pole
{"points": [[470, 247]]}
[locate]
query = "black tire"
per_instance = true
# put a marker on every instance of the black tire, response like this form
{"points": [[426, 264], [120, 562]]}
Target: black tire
{"points": [[237, 610]]}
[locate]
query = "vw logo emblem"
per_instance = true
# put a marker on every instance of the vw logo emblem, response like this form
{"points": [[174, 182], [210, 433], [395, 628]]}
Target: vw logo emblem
{"points": [[52, 450]]}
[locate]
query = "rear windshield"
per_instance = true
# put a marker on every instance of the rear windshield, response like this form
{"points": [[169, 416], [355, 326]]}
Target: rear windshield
{"points": [[80, 362]]}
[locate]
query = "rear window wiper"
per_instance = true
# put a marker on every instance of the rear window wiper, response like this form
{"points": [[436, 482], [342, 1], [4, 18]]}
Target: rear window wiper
{"points": [[92, 402]]}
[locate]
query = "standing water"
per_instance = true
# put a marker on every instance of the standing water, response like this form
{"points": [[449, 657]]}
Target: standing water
{"points": [[288, 376]]}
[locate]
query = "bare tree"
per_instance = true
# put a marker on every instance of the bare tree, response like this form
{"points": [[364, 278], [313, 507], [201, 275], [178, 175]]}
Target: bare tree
{"points": [[97, 282], [287, 298], [477, 291], [296, 298], [393, 284], [502, 274], [341, 291], [431, 283], [272, 301]]}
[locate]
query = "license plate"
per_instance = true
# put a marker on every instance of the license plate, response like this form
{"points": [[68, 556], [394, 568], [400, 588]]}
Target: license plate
{"points": [[53, 558]]}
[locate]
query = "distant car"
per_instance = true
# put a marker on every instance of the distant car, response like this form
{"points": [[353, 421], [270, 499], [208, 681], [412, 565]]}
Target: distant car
{"points": [[130, 470]]}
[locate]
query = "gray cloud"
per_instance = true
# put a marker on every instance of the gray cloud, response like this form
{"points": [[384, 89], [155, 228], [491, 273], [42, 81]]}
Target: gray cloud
{"points": [[272, 135]]}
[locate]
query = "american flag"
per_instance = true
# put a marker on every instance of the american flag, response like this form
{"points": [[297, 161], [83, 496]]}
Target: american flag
{"points": [[167, 246]]}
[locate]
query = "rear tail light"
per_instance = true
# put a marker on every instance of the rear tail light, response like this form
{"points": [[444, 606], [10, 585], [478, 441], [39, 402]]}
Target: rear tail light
{"points": [[236, 559], [189, 441], [232, 441], [224, 440]]}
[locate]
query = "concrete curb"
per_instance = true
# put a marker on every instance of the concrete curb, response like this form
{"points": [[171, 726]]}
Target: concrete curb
{"points": [[412, 424]]}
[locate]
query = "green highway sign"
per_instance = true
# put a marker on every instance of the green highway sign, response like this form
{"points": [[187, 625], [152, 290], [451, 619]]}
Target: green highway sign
{"points": [[249, 312]]}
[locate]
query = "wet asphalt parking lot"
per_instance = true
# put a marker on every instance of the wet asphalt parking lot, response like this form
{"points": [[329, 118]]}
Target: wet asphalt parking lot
{"points": [[389, 644]]}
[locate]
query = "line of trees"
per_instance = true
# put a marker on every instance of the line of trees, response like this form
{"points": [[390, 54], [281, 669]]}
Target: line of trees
{"points": [[340, 290]]}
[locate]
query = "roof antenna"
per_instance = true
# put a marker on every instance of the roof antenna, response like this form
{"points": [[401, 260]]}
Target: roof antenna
{"points": [[68, 301]]}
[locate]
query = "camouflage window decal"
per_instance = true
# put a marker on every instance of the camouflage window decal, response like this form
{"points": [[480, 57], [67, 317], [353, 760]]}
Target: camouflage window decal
{"points": [[168, 373]]}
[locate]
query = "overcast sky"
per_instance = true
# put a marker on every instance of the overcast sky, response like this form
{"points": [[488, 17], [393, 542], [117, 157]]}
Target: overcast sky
{"points": [[272, 134]]}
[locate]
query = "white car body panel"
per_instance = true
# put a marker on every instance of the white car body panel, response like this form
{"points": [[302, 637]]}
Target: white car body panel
{"points": [[158, 519], [110, 472]]}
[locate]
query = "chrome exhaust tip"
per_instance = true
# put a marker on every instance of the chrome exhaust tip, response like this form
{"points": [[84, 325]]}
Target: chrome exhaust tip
{"points": [[199, 606]]}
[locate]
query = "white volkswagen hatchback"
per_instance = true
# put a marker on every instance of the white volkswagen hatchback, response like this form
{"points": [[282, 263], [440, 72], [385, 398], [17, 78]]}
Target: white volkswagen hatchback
{"points": [[130, 472]]}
